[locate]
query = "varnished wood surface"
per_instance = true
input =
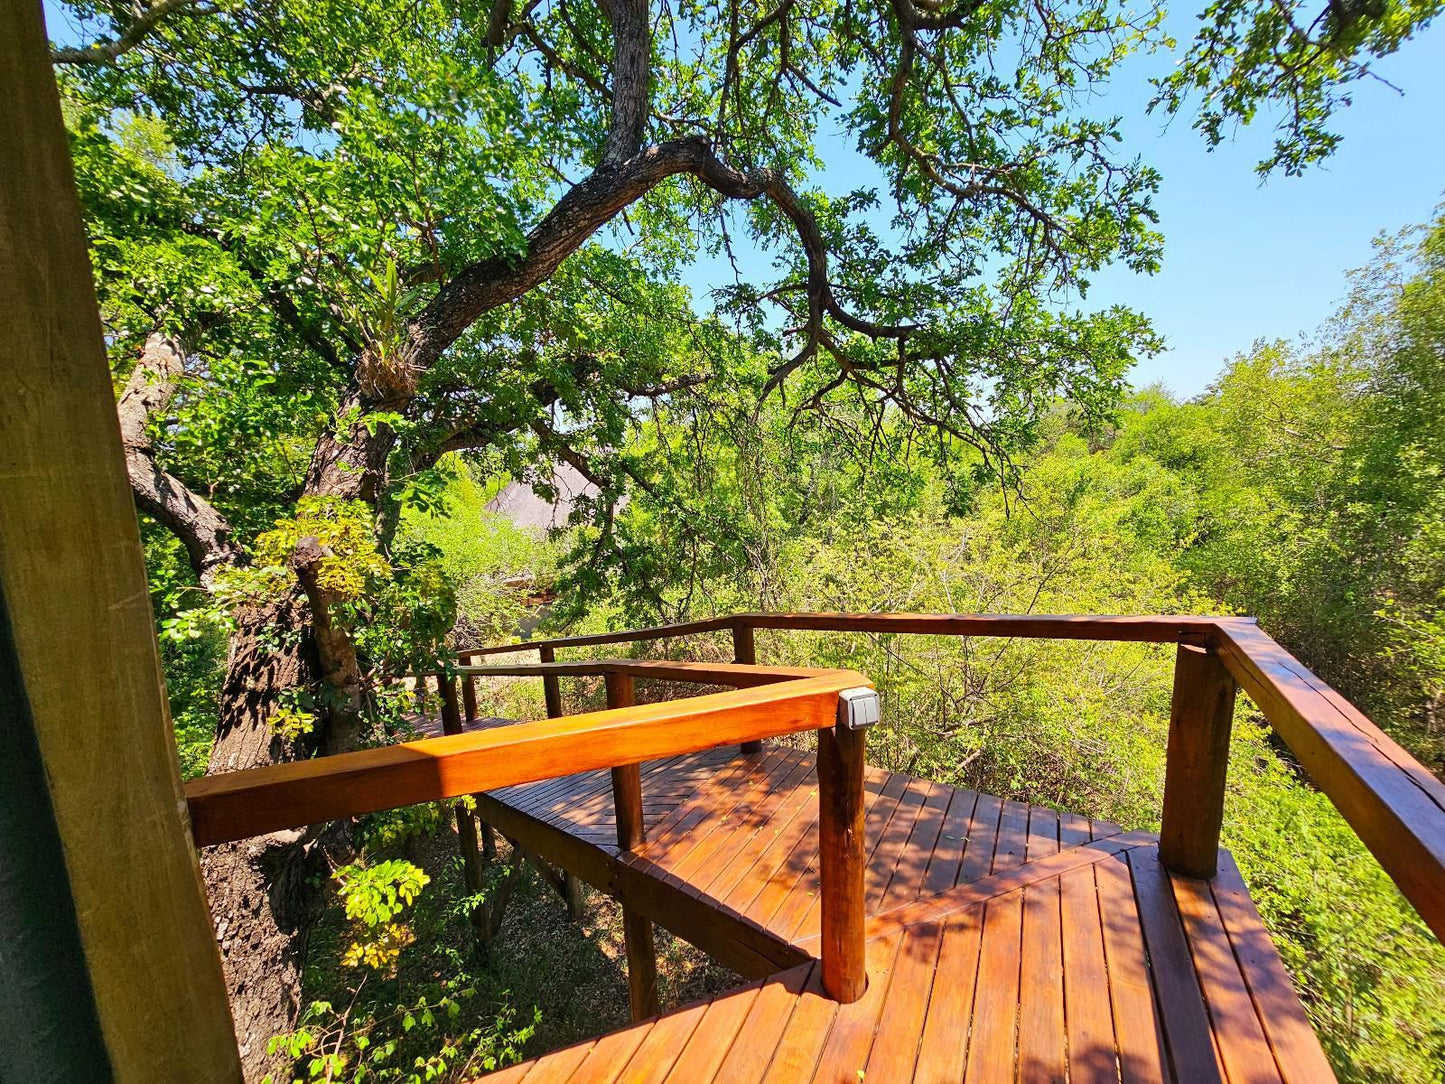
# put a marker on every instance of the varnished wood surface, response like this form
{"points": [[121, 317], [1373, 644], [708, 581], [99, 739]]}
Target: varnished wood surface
{"points": [[1391, 800], [1200, 718], [237, 805], [1005, 941]]}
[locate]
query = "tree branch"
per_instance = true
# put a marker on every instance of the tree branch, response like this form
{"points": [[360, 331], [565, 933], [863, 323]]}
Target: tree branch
{"points": [[591, 204], [631, 69], [106, 52], [190, 517]]}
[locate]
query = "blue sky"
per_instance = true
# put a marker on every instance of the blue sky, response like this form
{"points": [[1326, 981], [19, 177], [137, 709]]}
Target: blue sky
{"points": [[1244, 259]]}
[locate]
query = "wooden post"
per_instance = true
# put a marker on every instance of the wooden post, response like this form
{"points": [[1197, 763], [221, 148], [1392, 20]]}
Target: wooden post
{"points": [[469, 714], [745, 653], [108, 960], [1198, 758], [627, 779], [573, 895], [451, 710], [841, 861], [472, 857], [641, 965], [550, 687], [469, 698], [631, 833]]}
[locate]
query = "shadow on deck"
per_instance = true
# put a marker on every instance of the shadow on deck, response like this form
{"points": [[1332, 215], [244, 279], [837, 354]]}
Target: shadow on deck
{"points": [[1005, 941]]}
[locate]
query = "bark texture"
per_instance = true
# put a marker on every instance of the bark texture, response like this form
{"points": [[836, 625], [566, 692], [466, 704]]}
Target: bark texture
{"points": [[186, 514], [260, 901]]}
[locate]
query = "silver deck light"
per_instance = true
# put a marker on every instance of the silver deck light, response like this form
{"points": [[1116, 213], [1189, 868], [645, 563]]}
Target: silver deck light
{"points": [[858, 709]]}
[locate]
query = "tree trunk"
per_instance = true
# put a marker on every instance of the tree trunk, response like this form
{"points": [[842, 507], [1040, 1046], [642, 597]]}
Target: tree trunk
{"points": [[260, 901], [263, 892]]}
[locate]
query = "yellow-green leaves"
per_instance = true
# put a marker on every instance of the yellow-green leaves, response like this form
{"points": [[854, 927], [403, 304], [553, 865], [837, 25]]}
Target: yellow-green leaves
{"points": [[351, 562]]}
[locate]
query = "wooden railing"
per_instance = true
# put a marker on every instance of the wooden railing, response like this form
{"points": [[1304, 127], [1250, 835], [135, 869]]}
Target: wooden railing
{"points": [[766, 702], [1394, 804]]}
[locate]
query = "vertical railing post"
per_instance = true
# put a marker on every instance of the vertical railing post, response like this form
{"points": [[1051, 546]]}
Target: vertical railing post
{"points": [[469, 698], [745, 653], [551, 689], [472, 866], [451, 709], [469, 715], [841, 857], [626, 780], [631, 833], [1197, 760]]}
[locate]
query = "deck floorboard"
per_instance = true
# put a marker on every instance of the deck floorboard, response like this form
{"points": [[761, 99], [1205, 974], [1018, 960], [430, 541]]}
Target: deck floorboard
{"points": [[1007, 941]]}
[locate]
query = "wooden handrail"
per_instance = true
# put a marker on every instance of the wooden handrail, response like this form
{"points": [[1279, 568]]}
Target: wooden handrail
{"points": [[1144, 628], [236, 805], [1391, 800], [694, 673], [655, 632], [1394, 803]]}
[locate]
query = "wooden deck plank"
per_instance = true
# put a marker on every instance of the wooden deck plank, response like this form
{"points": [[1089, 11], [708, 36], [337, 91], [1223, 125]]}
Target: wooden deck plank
{"points": [[708, 1046], [1011, 848], [1043, 833], [801, 790], [763, 1027], [800, 914], [856, 1025], [659, 1050], [943, 1047], [981, 840], [715, 800], [1296, 1047], [796, 1055], [609, 1054], [906, 881], [1007, 941], [1142, 1055], [735, 818], [1182, 1012], [992, 1051], [768, 820], [1041, 1047], [802, 856], [1074, 830], [694, 810], [895, 1051], [1238, 1034], [1090, 1020], [947, 857], [558, 1068]]}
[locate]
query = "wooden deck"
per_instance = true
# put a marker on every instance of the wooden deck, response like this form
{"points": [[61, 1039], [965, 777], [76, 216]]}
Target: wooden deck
{"points": [[1006, 941]]}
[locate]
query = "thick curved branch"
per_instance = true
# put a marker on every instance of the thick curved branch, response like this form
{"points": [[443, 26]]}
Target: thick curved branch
{"points": [[595, 201], [190, 517], [106, 52]]}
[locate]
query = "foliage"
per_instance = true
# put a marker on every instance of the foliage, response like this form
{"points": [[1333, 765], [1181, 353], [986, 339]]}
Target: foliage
{"points": [[1304, 487], [393, 1026], [1300, 60], [350, 566], [331, 1046], [498, 570], [1322, 486]]}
